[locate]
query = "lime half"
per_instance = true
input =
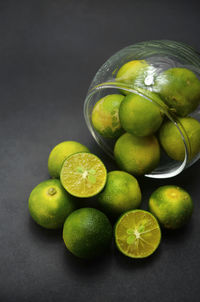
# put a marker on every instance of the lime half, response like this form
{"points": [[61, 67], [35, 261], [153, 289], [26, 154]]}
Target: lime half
{"points": [[83, 174], [137, 234]]}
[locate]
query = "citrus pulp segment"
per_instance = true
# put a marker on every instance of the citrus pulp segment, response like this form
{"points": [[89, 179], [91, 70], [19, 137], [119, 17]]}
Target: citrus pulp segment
{"points": [[137, 234], [83, 174]]}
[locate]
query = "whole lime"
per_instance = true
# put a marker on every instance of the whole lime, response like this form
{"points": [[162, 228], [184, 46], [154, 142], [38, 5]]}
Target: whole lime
{"points": [[121, 193], [87, 232], [172, 142], [105, 116], [59, 153], [50, 204], [180, 89], [171, 205], [139, 116], [137, 155], [130, 72]]}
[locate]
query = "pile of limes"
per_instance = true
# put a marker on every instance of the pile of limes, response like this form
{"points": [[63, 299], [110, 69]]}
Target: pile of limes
{"points": [[139, 123], [77, 174]]}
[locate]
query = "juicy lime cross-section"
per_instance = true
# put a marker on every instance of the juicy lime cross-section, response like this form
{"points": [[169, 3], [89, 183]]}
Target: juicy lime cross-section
{"points": [[137, 234], [83, 175]]}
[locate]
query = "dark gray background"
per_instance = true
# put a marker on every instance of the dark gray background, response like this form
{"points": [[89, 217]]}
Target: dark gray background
{"points": [[49, 52]]}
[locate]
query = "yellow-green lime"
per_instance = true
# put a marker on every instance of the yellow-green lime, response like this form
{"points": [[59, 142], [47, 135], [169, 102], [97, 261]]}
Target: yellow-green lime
{"points": [[137, 155], [171, 205], [59, 153], [137, 234], [180, 89], [105, 116], [172, 142], [121, 193], [87, 233], [130, 72], [50, 204], [83, 174], [139, 116]]}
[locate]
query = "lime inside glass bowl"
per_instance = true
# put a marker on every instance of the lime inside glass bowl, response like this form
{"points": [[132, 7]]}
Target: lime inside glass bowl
{"points": [[161, 56]]}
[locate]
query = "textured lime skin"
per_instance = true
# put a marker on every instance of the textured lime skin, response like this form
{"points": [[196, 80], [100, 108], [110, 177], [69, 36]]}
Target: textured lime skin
{"points": [[50, 204], [121, 193], [126, 225], [139, 116], [171, 205], [130, 72], [87, 233], [105, 116], [137, 155], [60, 152], [172, 141], [180, 89]]}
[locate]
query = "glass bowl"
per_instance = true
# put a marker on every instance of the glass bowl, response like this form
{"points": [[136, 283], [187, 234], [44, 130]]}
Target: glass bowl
{"points": [[161, 55]]}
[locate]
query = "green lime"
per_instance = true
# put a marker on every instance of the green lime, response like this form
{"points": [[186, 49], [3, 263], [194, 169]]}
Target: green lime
{"points": [[59, 153], [172, 142], [130, 72], [121, 193], [87, 233], [137, 155], [180, 89], [83, 174], [139, 116], [137, 234], [171, 205], [105, 116], [50, 204]]}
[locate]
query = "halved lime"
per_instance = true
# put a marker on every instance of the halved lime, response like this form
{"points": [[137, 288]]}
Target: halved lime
{"points": [[137, 234], [83, 174], [60, 152]]}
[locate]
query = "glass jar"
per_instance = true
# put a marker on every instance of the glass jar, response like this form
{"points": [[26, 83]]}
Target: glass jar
{"points": [[162, 55]]}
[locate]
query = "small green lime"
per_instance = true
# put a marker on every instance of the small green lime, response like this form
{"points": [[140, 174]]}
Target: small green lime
{"points": [[137, 155], [139, 116], [171, 205], [105, 116], [59, 153], [87, 233], [172, 142], [130, 72], [137, 234], [50, 204], [180, 89], [121, 193]]}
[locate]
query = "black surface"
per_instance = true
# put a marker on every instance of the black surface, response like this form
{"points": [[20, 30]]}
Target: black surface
{"points": [[49, 52]]}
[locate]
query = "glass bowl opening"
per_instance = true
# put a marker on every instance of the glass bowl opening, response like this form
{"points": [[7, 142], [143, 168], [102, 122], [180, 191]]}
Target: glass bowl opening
{"points": [[161, 55]]}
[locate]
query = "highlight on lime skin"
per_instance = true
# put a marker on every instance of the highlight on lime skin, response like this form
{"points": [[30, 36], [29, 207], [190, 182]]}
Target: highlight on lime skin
{"points": [[172, 206]]}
